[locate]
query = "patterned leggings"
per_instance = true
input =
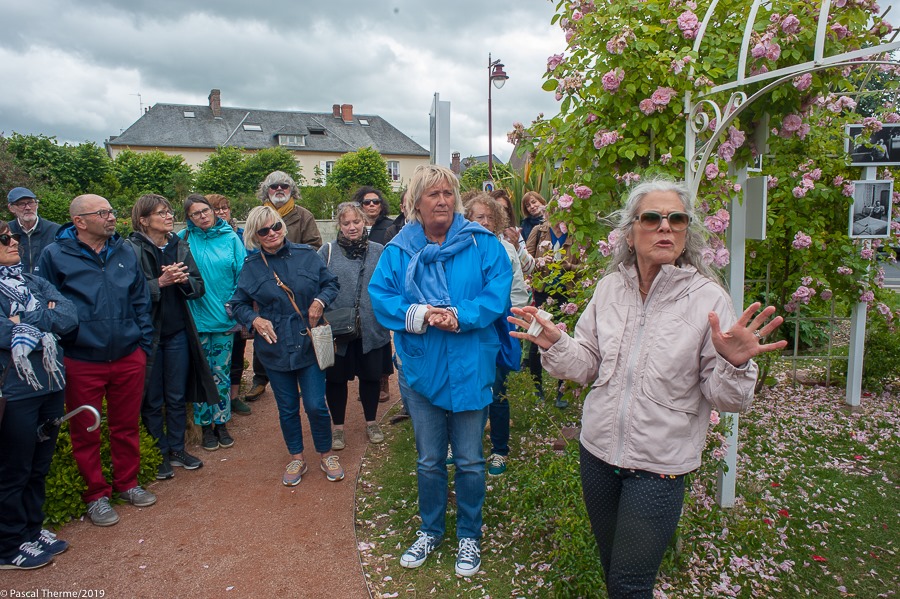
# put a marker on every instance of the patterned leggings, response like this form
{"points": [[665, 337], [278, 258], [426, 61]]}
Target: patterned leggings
{"points": [[633, 514], [217, 349]]}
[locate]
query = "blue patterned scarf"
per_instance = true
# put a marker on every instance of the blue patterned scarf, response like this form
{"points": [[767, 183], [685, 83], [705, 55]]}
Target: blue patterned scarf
{"points": [[26, 337]]}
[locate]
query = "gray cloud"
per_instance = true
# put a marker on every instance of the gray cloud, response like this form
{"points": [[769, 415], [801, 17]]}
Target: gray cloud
{"points": [[78, 70]]}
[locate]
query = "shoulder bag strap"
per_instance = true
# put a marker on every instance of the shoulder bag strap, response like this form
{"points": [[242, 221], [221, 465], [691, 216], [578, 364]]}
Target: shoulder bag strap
{"points": [[362, 268], [278, 282]]}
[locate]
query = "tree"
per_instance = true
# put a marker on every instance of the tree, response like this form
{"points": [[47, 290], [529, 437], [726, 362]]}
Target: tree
{"points": [[363, 167], [222, 173], [476, 174], [233, 172], [79, 169], [257, 166], [152, 172]]}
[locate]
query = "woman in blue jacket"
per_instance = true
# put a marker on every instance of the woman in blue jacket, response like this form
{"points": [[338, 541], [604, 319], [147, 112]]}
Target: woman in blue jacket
{"points": [[32, 314], [280, 316], [441, 285], [219, 255]]}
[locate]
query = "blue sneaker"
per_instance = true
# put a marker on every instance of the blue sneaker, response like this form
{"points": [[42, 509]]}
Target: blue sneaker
{"points": [[418, 552], [48, 542], [468, 559], [29, 557], [496, 464]]}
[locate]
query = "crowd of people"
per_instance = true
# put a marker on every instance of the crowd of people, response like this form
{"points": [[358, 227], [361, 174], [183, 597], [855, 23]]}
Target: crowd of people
{"points": [[154, 325]]}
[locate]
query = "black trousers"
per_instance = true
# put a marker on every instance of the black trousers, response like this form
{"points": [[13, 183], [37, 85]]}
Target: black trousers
{"points": [[24, 464], [633, 514]]}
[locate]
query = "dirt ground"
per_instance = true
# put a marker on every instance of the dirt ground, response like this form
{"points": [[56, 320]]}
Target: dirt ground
{"points": [[229, 529]]}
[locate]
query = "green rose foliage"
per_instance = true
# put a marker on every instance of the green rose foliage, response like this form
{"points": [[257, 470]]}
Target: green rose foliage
{"points": [[622, 82]]}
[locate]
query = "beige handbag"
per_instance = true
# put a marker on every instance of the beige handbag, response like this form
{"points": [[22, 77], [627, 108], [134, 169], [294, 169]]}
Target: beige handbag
{"points": [[320, 336]]}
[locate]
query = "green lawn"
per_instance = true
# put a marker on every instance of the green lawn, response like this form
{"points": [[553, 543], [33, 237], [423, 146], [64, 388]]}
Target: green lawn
{"points": [[818, 511]]}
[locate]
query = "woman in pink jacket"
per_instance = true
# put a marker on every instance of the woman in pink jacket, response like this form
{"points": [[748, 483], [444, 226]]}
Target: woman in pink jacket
{"points": [[651, 343]]}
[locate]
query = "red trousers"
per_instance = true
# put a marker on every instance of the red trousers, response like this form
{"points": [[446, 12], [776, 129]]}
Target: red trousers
{"points": [[122, 384]]}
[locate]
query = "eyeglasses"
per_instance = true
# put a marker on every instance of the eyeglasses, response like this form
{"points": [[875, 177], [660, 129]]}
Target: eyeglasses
{"points": [[5, 238], [104, 214], [25, 203], [199, 213], [370, 202], [266, 230], [277, 186], [222, 210], [163, 213], [651, 220]]}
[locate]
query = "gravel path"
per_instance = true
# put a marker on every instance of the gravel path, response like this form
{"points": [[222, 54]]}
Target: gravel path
{"points": [[229, 529]]}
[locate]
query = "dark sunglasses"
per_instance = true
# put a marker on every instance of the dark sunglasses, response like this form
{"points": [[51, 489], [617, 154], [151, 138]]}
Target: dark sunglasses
{"points": [[370, 202], [652, 220], [5, 237], [266, 230], [276, 186]]}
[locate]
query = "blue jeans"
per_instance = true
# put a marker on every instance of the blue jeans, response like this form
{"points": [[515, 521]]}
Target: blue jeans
{"points": [[312, 383], [166, 387], [499, 414], [434, 427], [24, 464]]}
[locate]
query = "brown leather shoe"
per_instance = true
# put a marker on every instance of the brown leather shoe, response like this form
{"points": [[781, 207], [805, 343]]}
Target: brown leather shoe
{"points": [[255, 392], [385, 389]]}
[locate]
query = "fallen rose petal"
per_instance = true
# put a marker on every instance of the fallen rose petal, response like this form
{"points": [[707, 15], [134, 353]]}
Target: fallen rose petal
{"points": [[819, 558]]}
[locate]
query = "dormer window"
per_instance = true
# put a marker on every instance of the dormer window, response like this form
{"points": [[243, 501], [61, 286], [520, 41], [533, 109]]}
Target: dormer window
{"points": [[291, 140]]}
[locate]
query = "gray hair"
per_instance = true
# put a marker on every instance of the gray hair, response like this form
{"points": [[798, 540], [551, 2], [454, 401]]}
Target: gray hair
{"points": [[695, 235], [424, 177], [276, 177], [256, 220], [351, 207], [495, 207]]}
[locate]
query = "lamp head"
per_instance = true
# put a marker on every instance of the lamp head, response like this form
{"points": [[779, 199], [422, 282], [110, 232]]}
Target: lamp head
{"points": [[498, 75]]}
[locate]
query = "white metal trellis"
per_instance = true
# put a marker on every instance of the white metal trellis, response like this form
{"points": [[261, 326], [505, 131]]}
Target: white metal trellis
{"points": [[696, 160]]}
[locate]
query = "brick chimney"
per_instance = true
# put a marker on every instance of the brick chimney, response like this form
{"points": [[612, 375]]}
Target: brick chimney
{"points": [[215, 103], [336, 111], [454, 162], [347, 113]]}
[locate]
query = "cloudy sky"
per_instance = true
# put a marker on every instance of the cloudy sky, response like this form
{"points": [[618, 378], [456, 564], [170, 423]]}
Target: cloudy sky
{"points": [[73, 68]]}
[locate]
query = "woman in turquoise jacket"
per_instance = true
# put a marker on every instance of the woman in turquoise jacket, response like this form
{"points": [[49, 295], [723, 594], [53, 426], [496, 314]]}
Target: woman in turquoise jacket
{"points": [[219, 255], [442, 284]]}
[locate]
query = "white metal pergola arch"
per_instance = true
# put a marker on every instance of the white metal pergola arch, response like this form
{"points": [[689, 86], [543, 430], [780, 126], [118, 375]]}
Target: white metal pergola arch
{"points": [[696, 160]]}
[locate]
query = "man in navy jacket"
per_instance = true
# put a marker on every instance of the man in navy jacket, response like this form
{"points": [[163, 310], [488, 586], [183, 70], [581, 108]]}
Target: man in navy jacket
{"points": [[106, 355], [34, 233]]}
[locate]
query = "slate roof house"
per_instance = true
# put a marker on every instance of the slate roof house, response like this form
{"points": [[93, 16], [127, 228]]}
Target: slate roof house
{"points": [[316, 139]]}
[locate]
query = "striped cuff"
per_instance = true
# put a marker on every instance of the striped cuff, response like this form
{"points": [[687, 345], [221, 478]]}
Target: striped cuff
{"points": [[415, 319]]}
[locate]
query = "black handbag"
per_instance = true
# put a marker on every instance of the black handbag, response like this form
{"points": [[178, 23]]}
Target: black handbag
{"points": [[345, 324]]}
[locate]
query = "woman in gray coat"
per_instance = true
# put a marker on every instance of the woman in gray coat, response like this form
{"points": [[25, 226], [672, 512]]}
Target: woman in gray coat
{"points": [[352, 258]]}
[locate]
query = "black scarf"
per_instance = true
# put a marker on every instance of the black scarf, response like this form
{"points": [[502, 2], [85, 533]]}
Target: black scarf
{"points": [[354, 249]]}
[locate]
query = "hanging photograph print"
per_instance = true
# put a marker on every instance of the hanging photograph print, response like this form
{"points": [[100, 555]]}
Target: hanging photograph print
{"points": [[870, 214], [882, 148]]}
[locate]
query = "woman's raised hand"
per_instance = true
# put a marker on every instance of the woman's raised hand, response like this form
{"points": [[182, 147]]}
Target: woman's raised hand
{"points": [[549, 333], [744, 340]]}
